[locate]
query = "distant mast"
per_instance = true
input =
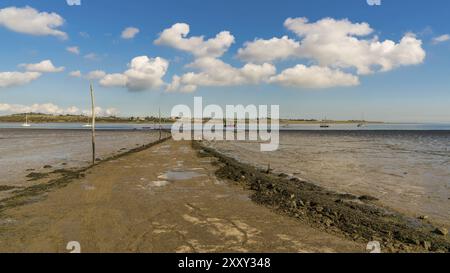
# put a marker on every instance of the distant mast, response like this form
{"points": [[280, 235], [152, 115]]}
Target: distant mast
{"points": [[363, 121], [26, 124], [93, 124], [324, 124]]}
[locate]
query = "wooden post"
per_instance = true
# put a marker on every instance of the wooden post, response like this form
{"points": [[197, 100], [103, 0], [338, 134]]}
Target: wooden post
{"points": [[93, 124], [160, 126]]}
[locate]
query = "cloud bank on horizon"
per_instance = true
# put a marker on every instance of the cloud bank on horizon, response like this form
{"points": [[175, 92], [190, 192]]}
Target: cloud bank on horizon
{"points": [[53, 109], [329, 53]]}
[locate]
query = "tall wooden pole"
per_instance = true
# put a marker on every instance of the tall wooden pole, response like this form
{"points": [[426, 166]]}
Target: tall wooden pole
{"points": [[160, 126], [93, 124]]}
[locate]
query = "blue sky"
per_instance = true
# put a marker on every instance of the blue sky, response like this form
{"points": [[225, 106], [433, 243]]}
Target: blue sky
{"points": [[410, 89]]}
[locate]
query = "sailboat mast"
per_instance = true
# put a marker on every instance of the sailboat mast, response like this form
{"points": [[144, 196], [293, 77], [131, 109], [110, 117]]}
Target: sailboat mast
{"points": [[93, 124]]}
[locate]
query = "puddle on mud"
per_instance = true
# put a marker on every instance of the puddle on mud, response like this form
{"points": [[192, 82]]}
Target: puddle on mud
{"points": [[179, 175], [154, 184], [180, 163], [87, 187], [159, 183]]}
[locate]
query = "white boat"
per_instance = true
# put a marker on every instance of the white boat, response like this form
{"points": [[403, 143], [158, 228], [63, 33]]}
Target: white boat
{"points": [[88, 125], [26, 124]]}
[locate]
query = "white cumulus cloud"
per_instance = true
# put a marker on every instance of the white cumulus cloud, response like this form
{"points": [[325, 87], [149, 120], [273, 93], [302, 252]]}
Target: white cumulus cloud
{"points": [[76, 74], [215, 72], [114, 80], [53, 109], [144, 73], [95, 75], [45, 66], [441, 39], [129, 33], [337, 43], [261, 50], [314, 77], [9, 79], [176, 37], [30, 21]]}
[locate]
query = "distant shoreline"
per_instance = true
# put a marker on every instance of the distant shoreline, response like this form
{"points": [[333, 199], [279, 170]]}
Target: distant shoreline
{"points": [[44, 118]]}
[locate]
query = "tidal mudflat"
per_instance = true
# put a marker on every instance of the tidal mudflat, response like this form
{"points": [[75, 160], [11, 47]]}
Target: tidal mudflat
{"points": [[166, 199], [406, 170], [169, 196]]}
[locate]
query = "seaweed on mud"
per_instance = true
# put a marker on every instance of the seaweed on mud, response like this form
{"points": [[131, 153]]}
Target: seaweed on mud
{"points": [[6, 188], [358, 218], [33, 176]]}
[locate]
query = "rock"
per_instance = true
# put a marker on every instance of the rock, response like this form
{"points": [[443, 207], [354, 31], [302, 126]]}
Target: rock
{"points": [[294, 205], [441, 231], [319, 209], [423, 217], [328, 222], [426, 245], [47, 167], [376, 238], [299, 214], [406, 248], [300, 203], [292, 196], [367, 198]]}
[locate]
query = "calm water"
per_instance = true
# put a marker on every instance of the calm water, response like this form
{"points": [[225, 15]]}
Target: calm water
{"points": [[79, 126], [302, 127], [406, 170]]}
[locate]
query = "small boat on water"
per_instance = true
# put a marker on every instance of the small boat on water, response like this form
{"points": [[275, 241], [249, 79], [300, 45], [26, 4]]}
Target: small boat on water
{"points": [[324, 124], [26, 124], [362, 123], [88, 125]]}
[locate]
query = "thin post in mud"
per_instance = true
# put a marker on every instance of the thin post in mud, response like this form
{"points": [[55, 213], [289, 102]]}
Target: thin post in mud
{"points": [[93, 123], [160, 126]]}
